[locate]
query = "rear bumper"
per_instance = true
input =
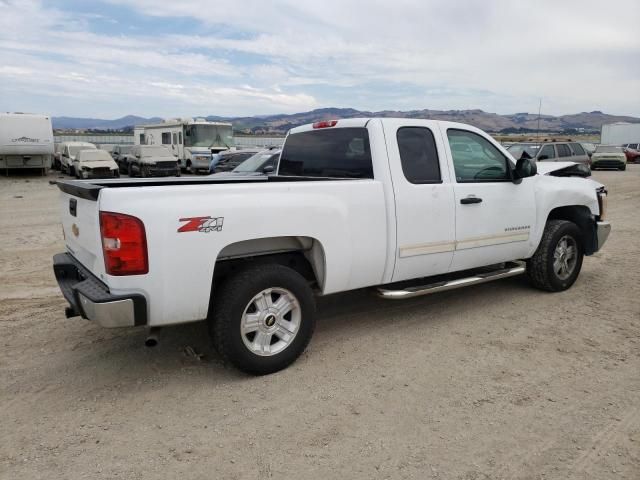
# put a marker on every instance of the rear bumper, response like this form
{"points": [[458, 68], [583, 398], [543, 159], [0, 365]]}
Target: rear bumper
{"points": [[90, 298], [603, 229]]}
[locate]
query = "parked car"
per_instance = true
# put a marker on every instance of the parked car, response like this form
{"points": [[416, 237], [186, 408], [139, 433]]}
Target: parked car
{"points": [[551, 151], [368, 202], [227, 161], [95, 163], [262, 163], [588, 147], [69, 152], [608, 156], [119, 154], [632, 152], [151, 161]]}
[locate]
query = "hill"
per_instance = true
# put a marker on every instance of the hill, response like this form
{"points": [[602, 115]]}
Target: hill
{"points": [[280, 123]]}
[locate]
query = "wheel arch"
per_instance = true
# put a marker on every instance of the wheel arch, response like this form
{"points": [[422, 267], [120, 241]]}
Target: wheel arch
{"points": [[305, 255], [584, 219]]}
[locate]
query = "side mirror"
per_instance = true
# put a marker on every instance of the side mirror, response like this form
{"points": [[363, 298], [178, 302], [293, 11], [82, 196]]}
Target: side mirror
{"points": [[268, 169], [525, 167]]}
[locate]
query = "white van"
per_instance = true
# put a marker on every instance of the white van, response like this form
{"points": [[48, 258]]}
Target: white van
{"points": [[26, 141]]}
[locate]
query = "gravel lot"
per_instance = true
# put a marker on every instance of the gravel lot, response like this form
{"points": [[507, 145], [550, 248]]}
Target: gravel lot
{"points": [[494, 381]]}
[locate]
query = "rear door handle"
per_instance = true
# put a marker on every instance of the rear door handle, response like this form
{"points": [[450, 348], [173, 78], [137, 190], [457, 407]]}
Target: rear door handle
{"points": [[469, 200]]}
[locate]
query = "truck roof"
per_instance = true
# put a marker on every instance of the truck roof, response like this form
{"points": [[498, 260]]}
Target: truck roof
{"points": [[362, 122]]}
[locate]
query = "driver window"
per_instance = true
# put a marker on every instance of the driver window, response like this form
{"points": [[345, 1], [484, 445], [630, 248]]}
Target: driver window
{"points": [[475, 159]]}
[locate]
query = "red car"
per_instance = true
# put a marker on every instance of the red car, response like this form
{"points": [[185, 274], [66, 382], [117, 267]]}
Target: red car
{"points": [[632, 151]]}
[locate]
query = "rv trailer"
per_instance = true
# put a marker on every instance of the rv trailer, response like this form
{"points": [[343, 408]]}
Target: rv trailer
{"points": [[26, 141], [193, 141]]}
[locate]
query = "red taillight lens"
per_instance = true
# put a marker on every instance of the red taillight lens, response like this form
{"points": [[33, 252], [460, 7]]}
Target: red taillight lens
{"points": [[325, 124], [124, 243]]}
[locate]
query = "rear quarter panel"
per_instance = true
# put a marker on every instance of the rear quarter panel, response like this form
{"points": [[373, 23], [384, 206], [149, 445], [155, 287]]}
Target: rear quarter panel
{"points": [[347, 217]]}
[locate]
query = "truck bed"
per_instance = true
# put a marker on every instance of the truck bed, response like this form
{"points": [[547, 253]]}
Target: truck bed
{"points": [[90, 189]]}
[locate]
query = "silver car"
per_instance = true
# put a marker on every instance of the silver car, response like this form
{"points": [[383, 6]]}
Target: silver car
{"points": [[551, 152]]}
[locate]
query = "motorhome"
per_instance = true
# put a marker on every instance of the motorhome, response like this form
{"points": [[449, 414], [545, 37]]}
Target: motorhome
{"points": [[193, 141], [26, 141]]}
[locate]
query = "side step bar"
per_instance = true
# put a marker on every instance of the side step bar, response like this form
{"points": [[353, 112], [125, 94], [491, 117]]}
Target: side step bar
{"points": [[410, 292]]}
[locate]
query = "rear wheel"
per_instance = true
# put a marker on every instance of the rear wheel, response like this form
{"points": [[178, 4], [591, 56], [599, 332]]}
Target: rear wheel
{"points": [[263, 318], [557, 262], [72, 171], [623, 167]]}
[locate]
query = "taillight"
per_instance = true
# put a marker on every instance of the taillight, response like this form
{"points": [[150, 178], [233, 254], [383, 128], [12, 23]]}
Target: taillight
{"points": [[124, 244], [325, 124]]}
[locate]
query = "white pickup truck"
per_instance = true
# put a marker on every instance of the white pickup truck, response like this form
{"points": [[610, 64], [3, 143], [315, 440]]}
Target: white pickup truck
{"points": [[409, 207]]}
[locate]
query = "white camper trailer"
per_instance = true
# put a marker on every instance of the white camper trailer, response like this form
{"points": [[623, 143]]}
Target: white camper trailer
{"points": [[192, 141], [26, 141]]}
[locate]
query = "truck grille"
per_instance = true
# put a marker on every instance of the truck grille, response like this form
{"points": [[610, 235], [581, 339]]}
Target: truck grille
{"points": [[607, 163], [101, 172]]}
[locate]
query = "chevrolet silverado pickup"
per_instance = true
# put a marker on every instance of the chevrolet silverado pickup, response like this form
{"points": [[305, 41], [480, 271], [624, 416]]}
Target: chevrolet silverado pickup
{"points": [[406, 207]]}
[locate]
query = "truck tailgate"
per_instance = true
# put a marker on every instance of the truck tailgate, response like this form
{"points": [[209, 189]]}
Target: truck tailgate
{"points": [[81, 227]]}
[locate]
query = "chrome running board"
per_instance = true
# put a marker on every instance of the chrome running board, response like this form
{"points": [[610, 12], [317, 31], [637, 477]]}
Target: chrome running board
{"points": [[515, 268]]}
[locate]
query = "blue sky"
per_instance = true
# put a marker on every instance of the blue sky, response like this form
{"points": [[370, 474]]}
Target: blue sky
{"points": [[110, 58]]}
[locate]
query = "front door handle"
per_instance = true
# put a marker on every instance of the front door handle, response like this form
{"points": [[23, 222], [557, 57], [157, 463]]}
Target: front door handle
{"points": [[470, 200]]}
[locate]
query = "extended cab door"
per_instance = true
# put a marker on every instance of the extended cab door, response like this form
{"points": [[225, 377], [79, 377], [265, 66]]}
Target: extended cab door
{"points": [[494, 215], [425, 210]]}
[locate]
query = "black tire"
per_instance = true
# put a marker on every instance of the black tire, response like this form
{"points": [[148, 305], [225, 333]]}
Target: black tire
{"points": [[231, 300], [143, 171], [130, 170], [623, 167], [540, 269], [72, 171]]}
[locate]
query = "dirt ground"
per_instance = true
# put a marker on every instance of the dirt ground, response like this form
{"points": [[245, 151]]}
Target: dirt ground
{"points": [[497, 381]]}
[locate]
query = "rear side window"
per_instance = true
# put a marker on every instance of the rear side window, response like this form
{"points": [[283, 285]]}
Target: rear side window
{"points": [[166, 138], [336, 152], [547, 152], [577, 149], [418, 155], [563, 150]]}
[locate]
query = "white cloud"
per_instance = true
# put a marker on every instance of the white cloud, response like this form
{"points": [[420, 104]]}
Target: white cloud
{"points": [[286, 56]]}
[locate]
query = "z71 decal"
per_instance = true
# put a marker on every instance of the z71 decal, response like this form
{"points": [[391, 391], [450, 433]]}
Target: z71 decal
{"points": [[201, 224]]}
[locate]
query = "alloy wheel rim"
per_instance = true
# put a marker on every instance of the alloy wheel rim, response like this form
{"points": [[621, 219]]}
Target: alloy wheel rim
{"points": [[270, 321], [565, 257]]}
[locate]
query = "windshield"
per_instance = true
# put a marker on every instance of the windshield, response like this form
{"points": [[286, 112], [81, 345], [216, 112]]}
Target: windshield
{"points": [[155, 152], [73, 151], [516, 149], [608, 149], [252, 164], [209, 136], [124, 150], [94, 156]]}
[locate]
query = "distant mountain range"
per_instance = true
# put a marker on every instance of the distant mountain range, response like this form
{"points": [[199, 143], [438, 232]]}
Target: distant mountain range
{"points": [[279, 124]]}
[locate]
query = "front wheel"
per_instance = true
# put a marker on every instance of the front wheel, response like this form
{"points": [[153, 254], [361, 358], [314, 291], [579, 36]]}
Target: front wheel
{"points": [[623, 167], [263, 318], [557, 262]]}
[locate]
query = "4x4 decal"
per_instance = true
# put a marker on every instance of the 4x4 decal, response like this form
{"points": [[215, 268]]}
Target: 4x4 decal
{"points": [[201, 224]]}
